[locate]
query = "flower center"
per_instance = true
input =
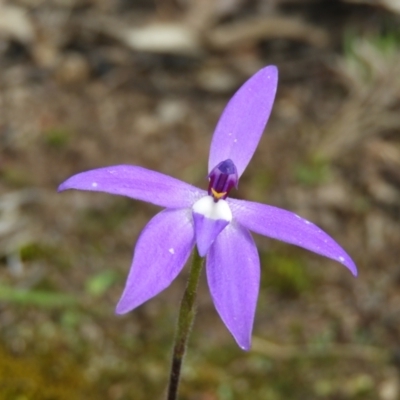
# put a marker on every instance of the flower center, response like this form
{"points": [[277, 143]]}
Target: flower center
{"points": [[222, 178]]}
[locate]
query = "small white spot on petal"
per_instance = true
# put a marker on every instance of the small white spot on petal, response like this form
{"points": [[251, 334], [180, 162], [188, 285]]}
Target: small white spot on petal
{"points": [[341, 259], [94, 184], [307, 222], [171, 250], [235, 140]]}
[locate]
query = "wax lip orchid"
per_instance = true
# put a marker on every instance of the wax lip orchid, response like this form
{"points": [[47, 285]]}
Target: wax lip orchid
{"points": [[217, 224]]}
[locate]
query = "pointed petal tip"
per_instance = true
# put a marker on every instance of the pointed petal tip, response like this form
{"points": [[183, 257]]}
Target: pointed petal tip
{"points": [[160, 254], [202, 249], [61, 188], [345, 260], [289, 227], [353, 270], [234, 278], [351, 267], [242, 340], [245, 346], [121, 309], [243, 120], [271, 70], [137, 183]]}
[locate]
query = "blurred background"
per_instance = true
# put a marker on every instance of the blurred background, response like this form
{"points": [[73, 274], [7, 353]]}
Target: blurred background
{"points": [[90, 83]]}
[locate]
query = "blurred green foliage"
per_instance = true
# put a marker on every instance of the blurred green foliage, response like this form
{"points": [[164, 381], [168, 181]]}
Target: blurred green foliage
{"points": [[57, 256], [95, 220], [36, 298], [313, 172], [259, 181], [368, 57], [98, 284], [285, 274], [57, 137], [15, 176], [386, 43]]}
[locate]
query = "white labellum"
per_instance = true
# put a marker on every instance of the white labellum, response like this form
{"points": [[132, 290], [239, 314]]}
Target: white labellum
{"points": [[213, 210]]}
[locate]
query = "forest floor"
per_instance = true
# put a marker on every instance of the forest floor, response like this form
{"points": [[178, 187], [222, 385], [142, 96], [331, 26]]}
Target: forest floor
{"points": [[85, 84]]}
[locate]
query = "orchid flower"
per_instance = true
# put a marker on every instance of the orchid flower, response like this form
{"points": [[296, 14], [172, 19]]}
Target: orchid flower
{"points": [[218, 225]]}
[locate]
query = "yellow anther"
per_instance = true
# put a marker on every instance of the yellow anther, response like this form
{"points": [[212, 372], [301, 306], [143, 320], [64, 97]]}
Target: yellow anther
{"points": [[217, 195]]}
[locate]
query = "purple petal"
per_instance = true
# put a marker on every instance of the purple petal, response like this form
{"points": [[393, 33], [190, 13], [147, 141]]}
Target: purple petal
{"points": [[243, 121], [233, 274], [207, 230], [138, 183], [286, 226], [160, 254]]}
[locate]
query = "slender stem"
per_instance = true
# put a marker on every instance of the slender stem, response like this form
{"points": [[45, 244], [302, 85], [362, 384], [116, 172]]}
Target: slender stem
{"points": [[185, 322]]}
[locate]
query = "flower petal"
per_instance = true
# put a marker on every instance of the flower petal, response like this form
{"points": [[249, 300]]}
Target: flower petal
{"points": [[210, 218], [160, 254], [289, 227], [207, 230], [243, 121], [233, 274], [138, 183]]}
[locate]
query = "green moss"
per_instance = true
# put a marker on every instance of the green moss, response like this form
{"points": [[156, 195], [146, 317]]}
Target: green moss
{"points": [[16, 177], [96, 221], [259, 184], [313, 172], [287, 275], [34, 251], [57, 137], [57, 256], [55, 377]]}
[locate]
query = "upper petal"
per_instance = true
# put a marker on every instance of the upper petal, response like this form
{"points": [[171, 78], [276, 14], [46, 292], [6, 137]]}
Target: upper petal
{"points": [[160, 254], [233, 274], [138, 183], [289, 227], [242, 123]]}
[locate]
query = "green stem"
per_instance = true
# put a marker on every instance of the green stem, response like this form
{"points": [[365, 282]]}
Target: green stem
{"points": [[185, 322]]}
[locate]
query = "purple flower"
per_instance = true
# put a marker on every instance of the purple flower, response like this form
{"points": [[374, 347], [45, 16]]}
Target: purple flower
{"points": [[218, 225]]}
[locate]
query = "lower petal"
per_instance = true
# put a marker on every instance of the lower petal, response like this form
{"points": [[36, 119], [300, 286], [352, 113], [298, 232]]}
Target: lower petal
{"points": [[210, 217], [233, 274], [207, 231], [160, 254]]}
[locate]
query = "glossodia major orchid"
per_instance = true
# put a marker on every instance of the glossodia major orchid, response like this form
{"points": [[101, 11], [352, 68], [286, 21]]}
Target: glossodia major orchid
{"points": [[217, 224]]}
